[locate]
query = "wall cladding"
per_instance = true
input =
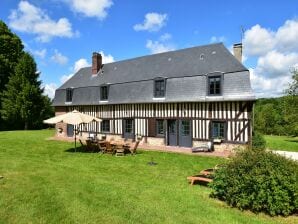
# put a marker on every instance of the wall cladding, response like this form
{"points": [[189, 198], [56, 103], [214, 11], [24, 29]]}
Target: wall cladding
{"points": [[237, 116]]}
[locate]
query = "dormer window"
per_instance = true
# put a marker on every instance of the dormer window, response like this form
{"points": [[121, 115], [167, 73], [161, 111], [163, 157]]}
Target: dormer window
{"points": [[159, 88], [214, 84], [69, 93], [104, 92]]}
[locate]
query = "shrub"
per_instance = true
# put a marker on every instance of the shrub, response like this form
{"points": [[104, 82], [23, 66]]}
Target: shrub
{"points": [[258, 141], [260, 181]]}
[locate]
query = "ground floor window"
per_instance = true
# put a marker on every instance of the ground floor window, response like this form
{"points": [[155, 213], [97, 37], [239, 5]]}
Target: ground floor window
{"points": [[218, 129], [160, 127], [105, 126], [185, 127], [129, 126]]}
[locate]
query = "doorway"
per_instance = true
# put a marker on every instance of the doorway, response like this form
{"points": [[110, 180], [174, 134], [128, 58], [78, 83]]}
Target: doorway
{"points": [[128, 128]]}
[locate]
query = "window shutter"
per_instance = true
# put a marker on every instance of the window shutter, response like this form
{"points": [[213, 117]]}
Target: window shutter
{"points": [[151, 127]]}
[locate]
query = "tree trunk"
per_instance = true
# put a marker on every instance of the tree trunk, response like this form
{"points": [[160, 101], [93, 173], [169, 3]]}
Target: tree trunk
{"points": [[26, 125]]}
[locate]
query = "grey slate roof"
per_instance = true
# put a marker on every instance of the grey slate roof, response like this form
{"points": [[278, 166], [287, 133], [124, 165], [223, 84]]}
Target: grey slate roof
{"points": [[186, 71]]}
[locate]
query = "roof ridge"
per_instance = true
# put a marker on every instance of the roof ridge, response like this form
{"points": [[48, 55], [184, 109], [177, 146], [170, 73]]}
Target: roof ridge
{"points": [[167, 52]]}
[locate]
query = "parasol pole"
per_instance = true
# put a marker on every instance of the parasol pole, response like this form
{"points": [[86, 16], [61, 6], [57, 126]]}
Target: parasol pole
{"points": [[75, 139]]}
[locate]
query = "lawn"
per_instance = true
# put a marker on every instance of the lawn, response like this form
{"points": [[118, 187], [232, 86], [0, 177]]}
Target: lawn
{"points": [[45, 182], [283, 143]]}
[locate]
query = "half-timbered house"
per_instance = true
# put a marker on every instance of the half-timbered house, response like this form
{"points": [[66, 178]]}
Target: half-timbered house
{"points": [[177, 98]]}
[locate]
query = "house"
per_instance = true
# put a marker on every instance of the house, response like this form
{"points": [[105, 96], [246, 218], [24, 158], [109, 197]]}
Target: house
{"points": [[176, 98]]}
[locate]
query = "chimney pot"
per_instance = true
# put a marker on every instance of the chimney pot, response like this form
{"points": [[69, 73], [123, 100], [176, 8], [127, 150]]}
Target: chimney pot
{"points": [[96, 62], [237, 49]]}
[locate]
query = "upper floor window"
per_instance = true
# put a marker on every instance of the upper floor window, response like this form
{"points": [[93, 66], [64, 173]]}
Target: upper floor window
{"points": [[104, 92], [159, 88], [214, 83], [69, 93]]}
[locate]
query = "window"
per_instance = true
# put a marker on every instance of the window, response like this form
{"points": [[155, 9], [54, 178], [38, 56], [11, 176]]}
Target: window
{"points": [[214, 85], [218, 129], [69, 92], [128, 126], [185, 127], [159, 127], [104, 92], [105, 126], [159, 88]]}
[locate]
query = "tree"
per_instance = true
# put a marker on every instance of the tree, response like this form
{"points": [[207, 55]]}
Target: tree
{"points": [[293, 87], [23, 105], [291, 105], [11, 49]]}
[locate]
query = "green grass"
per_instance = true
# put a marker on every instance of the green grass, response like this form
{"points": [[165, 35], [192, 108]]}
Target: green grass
{"points": [[44, 182], [283, 143]]}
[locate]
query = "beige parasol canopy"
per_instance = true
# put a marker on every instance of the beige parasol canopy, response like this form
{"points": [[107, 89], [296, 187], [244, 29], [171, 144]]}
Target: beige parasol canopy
{"points": [[74, 118]]}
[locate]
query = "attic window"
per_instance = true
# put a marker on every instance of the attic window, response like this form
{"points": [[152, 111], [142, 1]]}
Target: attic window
{"points": [[104, 92], [69, 93], [202, 57], [214, 84], [159, 87]]}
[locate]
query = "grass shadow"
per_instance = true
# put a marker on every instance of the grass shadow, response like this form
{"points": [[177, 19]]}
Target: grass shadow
{"points": [[79, 149], [293, 140]]}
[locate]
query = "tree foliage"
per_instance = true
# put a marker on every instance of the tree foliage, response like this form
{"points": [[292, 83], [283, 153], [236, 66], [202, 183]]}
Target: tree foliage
{"points": [[293, 87], [23, 105], [260, 181], [11, 49], [278, 116]]}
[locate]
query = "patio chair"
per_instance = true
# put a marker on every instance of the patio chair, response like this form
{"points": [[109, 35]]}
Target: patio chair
{"points": [[133, 149], [102, 147], [83, 146], [119, 150], [109, 148], [90, 145]]}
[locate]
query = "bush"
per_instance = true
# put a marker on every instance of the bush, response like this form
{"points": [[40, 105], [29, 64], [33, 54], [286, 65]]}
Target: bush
{"points": [[260, 181], [258, 141]]}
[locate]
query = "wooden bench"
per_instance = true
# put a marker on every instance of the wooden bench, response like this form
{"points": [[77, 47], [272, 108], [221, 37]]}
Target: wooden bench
{"points": [[200, 178]]}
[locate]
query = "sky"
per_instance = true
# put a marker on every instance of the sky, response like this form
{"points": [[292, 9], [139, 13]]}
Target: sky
{"points": [[62, 34]]}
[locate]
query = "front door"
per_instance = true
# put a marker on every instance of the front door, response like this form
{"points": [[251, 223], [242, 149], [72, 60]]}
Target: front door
{"points": [[172, 132], [128, 128], [185, 138], [70, 130]]}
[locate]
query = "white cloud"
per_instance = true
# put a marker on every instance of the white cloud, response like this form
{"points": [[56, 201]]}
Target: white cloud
{"points": [[40, 53], [275, 64], [156, 47], [163, 44], [215, 39], [91, 8], [259, 41], [64, 78], [268, 87], [49, 89], [30, 19], [276, 54], [153, 22], [81, 63], [106, 58], [165, 37], [59, 58], [287, 36]]}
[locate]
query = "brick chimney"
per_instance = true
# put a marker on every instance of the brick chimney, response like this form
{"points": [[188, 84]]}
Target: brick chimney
{"points": [[237, 49], [96, 62]]}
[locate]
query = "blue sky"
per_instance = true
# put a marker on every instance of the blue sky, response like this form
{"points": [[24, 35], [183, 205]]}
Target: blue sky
{"points": [[62, 34]]}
